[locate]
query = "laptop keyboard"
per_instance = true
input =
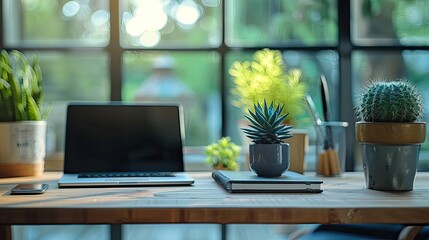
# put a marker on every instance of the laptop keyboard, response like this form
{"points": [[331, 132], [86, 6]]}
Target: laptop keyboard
{"points": [[126, 174]]}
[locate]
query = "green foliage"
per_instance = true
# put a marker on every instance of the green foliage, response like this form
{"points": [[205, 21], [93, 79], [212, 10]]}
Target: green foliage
{"points": [[277, 21], [21, 95], [267, 124], [390, 101], [224, 154], [265, 79], [406, 26]]}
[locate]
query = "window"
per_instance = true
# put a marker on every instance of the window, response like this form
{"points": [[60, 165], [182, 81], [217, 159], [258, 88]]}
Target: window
{"points": [[281, 23], [391, 40], [170, 24], [181, 50], [52, 23], [168, 76]]}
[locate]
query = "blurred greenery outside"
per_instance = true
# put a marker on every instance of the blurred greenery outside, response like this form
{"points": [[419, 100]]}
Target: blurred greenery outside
{"points": [[175, 34], [82, 73], [202, 115]]}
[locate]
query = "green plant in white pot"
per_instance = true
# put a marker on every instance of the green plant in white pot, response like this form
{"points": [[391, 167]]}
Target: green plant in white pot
{"points": [[390, 134], [269, 155], [22, 121], [267, 78]]}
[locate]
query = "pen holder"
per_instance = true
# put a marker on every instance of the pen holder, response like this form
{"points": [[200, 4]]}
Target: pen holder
{"points": [[331, 148]]}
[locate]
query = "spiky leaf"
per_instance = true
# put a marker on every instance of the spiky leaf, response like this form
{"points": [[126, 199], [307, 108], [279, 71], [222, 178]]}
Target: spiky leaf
{"points": [[266, 124]]}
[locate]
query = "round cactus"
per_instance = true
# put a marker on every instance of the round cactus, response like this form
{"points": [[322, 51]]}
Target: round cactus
{"points": [[390, 101]]}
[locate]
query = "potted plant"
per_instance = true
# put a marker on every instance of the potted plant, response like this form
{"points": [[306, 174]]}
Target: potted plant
{"points": [[269, 155], [266, 78], [223, 154], [390, 134], [22, 125]]}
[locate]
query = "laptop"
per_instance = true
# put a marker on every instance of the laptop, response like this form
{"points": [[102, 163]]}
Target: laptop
{"points": [[118, 144]]}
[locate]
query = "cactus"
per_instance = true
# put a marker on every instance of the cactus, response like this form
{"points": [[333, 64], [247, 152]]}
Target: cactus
{"points": [[390, 101], [267, 124]]}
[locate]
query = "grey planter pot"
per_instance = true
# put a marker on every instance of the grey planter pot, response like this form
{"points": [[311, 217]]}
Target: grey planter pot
{"points": [[390, 153], [269, 160], [390, 167]]}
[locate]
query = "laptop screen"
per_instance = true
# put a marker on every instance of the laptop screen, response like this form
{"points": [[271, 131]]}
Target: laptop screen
{"points": [[123, 138]]}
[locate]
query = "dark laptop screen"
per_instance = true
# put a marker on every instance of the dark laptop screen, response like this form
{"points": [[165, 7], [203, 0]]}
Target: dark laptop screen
{"points": [[121, 138]]}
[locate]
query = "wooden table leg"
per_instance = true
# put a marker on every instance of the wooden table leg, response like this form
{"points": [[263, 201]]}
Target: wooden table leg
{"points": [[6, 232]]}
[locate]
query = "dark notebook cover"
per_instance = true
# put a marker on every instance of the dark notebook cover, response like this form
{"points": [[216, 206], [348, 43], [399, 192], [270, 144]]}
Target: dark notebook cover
{"points": [[247, 181]]}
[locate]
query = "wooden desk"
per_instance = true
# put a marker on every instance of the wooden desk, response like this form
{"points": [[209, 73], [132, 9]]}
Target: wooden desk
{"points": [[344, 200]]}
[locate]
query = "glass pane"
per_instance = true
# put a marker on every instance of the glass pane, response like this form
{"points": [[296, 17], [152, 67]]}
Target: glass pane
{"points": [[71, 77], [190, 78], [171, 231], [312, 66], [281, 22], [171, 24], [411, 65], [56, 23], [383, 22], [206, 231], [83, 232]]}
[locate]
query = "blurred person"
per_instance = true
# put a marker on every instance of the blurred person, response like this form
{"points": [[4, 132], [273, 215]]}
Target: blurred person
{"points": [[163, 84]]}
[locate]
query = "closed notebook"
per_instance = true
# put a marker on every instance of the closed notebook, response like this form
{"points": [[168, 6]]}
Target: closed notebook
{"points": [[247, 181]]}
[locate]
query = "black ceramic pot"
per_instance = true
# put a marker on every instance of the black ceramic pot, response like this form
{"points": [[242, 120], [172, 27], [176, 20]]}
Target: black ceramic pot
{"points": [[269, 160]]}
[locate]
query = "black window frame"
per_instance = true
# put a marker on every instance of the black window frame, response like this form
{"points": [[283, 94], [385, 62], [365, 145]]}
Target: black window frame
{"points": [[344, 48]]}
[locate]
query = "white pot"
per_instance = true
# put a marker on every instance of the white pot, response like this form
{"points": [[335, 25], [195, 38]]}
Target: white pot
{"points": [[22, 147]]}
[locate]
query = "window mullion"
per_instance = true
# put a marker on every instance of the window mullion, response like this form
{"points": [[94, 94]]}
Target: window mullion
{"points": [[115, 53], [345, 72], [1, 25], [223, 49]]}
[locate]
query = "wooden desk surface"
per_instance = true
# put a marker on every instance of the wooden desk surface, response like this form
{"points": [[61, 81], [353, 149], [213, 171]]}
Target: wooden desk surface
{"points": [[344, 200]]}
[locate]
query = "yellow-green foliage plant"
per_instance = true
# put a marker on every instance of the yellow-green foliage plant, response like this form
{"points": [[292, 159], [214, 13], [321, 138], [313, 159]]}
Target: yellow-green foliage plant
{"points": [[223, 154], [266, 78]]}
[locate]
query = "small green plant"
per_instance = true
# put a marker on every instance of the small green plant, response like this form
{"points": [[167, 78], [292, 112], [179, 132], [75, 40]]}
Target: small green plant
{"points": [[266, 79], [21, 95], [267, 124], [390, 101], [223, 154]]}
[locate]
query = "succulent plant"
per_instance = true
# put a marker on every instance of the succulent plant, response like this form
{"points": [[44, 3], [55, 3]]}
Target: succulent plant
{"points": [[390, 101], [223, 154], [21, 95], [267, 124]]}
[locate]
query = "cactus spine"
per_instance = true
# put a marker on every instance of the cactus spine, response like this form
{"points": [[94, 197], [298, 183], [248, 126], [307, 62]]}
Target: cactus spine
{"points": [[390, 101]]}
